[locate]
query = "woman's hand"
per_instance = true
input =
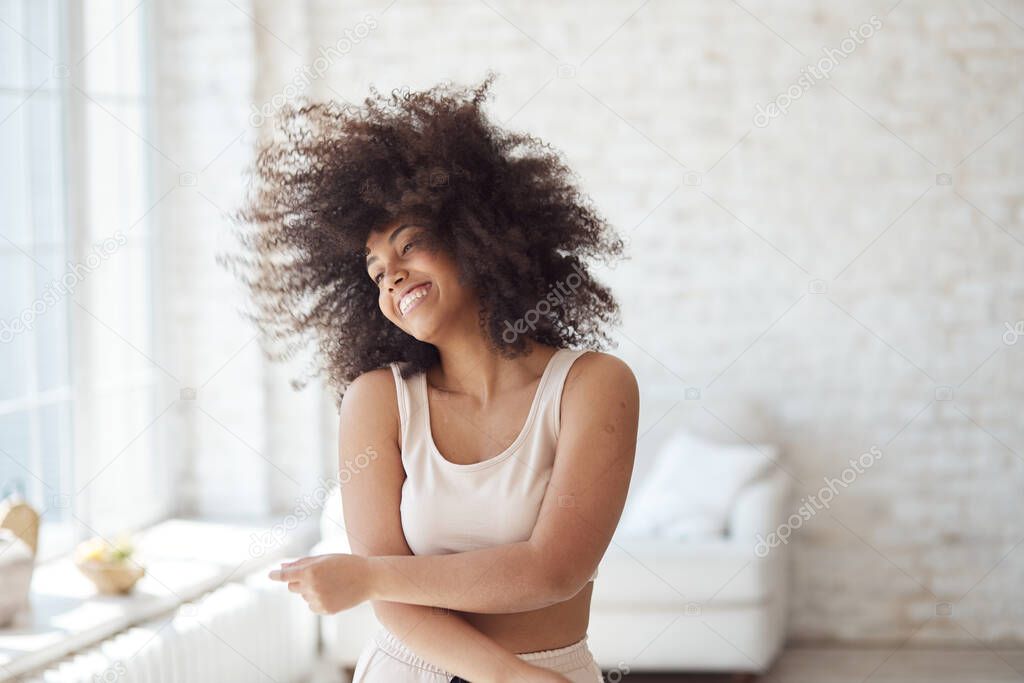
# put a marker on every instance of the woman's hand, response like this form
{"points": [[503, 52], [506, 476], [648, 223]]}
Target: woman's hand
{"points": [[328, 583], [336, 582]]}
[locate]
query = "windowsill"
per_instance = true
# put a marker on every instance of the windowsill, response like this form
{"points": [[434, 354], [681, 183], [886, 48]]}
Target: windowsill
{"points": [[184, 559]]}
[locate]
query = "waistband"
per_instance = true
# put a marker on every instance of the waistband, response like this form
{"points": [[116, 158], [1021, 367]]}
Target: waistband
{"points": [[561, 659]]}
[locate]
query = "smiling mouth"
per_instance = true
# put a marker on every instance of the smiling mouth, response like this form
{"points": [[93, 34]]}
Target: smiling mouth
{"points": [[413, 298]]}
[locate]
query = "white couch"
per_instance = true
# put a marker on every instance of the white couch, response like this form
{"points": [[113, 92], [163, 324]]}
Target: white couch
{"points": [[658, 605], [698, 606]]}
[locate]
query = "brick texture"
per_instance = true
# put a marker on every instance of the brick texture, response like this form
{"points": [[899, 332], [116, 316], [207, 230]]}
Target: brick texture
{"points": [[838, 278]]}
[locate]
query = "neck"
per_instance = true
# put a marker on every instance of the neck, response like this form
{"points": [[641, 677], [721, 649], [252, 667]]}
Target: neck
{"points": [[469, 366]]}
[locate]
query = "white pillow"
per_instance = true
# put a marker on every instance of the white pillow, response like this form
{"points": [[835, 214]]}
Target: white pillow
{"points": [[692, 487]]}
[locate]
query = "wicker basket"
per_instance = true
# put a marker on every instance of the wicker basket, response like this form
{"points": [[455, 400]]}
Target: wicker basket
{"points": [[111, 578], [21, 518], [16, 564]]}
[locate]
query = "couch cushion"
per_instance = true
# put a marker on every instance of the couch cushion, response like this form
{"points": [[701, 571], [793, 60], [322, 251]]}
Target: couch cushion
{"points": [[692, 487], [661, 574]]}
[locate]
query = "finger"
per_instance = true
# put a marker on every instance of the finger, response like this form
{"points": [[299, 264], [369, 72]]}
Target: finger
{"points": [[295, 587], [295, 565], [286, 573]]}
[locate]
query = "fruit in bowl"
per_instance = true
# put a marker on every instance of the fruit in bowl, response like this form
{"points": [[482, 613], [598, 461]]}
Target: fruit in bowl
{"points": [[109, 565]]}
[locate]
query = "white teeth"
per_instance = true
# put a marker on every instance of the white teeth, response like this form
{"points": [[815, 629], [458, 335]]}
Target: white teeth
{"points": [[409, 299]]}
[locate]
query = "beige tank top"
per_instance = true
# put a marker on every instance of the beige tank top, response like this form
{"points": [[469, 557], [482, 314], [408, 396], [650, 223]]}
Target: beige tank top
{"points": [[449, 507]]}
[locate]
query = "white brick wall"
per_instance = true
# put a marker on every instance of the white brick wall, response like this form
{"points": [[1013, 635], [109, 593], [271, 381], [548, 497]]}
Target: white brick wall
{"points": [[728, 224]]}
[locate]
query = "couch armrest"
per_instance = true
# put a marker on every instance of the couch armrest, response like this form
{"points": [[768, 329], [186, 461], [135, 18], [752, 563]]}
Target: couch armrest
{"points": [[329, 546], [332, 518], [760, 508]]}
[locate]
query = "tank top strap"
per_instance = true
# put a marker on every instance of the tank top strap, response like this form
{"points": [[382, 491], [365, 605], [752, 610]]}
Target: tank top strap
{"points": [[561, 363], [413, 392], [406, 404]]}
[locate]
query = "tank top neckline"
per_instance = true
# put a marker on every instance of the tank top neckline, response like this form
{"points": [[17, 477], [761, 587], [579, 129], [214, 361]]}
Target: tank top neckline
{"points": [[493, 460]]}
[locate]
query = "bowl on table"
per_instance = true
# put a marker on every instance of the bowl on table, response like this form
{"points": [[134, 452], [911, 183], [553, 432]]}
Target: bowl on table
{"points": [[109, 566]]}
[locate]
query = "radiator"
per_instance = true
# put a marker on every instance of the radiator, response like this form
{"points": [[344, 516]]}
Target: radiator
{"points": [[253, 630]]}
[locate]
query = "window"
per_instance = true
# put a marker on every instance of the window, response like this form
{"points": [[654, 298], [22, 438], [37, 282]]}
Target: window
{"points": [[79, 383]]}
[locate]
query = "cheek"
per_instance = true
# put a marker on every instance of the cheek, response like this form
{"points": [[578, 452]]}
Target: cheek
{"points": [[384, 303], [444, 271]]}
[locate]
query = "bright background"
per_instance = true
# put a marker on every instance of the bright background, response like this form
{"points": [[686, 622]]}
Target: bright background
{"points": [[844, 275]]}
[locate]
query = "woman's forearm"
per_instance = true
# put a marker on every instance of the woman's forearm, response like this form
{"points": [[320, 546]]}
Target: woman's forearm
{"points": [[496, 580], [447, 640]]}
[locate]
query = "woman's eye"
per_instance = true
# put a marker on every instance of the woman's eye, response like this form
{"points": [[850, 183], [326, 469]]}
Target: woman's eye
{"points": [[378, 276]]}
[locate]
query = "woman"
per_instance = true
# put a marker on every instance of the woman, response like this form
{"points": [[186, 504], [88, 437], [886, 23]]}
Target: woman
{"points": [[436, 260]]}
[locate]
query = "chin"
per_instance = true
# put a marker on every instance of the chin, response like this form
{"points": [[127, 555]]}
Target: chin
{"points": [[414, 329], [425, 336], [427, 328]]}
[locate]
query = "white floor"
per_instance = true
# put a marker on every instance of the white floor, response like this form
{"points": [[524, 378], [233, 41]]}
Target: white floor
{"points": [[905, 665]]}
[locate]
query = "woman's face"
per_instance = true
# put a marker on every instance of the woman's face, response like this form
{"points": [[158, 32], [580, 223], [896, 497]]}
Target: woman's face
{"points": [[417, 281]]}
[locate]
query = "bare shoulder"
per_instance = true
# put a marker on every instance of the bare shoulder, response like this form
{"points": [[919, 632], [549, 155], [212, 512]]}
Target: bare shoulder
{"points": [[371, 403], [599, 375], [371, 501], [373, 383], [595, 368], [600, 415]]}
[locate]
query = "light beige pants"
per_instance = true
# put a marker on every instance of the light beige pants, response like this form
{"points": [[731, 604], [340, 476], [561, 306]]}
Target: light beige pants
{"points": [[387, 660]]}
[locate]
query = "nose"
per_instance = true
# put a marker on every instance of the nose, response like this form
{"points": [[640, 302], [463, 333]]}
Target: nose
{"points": [[396, 278]]}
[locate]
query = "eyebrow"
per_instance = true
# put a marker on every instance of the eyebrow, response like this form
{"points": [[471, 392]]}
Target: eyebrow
{"points": [[391, 239]]}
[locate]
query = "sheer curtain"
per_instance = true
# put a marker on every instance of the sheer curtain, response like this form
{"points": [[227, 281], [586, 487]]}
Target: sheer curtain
{"points": [[82, 391], [246, 444]]}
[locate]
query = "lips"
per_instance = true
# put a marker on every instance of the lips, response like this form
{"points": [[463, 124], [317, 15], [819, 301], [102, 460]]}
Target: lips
{"points": [[414, 294]]}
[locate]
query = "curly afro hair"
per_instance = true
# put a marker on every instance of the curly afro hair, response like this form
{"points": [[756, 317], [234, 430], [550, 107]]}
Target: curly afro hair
{"points": [[501, 203]]}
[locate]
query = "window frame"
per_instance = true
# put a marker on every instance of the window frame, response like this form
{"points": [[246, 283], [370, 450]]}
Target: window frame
{"points": [[79, 458]]}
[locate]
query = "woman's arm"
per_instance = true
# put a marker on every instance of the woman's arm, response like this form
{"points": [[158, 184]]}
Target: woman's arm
{"points": [[585, 497], [449, 641], [370, 501]]}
